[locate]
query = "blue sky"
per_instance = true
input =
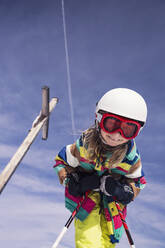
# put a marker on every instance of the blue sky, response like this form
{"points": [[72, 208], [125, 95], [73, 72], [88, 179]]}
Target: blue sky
{"points": [[111, 44]]}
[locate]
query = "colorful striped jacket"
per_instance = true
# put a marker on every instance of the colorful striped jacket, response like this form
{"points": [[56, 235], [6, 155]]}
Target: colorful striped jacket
{"points": [[130, 167]]}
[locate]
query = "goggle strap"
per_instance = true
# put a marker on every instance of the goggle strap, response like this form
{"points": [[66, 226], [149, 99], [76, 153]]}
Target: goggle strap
{"points": [[99, 117]]}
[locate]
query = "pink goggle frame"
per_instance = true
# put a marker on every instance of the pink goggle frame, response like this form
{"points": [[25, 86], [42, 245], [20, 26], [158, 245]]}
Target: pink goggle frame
{"points": [[112, 123]]}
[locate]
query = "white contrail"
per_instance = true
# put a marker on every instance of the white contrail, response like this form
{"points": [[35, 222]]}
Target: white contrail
{"points": [[68, 69]]}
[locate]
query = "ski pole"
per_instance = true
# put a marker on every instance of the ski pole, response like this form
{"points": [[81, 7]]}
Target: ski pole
{"points": [[130, 240], [69, 221]]}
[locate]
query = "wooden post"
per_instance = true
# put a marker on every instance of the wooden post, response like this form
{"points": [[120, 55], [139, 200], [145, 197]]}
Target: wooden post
{"points": [[45, 111], [24, 147]]}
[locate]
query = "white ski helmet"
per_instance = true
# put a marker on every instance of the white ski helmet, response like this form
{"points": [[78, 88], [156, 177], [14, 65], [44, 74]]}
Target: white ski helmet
{"points": [[124, 102]]}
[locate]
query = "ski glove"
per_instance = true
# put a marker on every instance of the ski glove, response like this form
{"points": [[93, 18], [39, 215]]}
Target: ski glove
{"points": [[121, 191], [79, 183]]}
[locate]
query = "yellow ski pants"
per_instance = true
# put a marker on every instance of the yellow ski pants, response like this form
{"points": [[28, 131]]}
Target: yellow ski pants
{"points": [[93, 231]]}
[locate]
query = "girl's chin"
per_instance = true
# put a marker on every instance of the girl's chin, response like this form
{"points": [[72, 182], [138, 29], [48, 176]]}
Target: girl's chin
{"points": [[109, 141]]}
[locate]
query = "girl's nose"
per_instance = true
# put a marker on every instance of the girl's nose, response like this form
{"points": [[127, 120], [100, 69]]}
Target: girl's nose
{"points": [[116, 135]]}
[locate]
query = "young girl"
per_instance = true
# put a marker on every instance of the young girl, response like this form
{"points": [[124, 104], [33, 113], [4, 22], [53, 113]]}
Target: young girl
{"points": [[105, 164]]}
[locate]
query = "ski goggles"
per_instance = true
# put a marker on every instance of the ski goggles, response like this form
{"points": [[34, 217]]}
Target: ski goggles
{"points": [[111, 123]]}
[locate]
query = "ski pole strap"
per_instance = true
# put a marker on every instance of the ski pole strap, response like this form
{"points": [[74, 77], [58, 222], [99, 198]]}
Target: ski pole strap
{"points": [[125, 226]]}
